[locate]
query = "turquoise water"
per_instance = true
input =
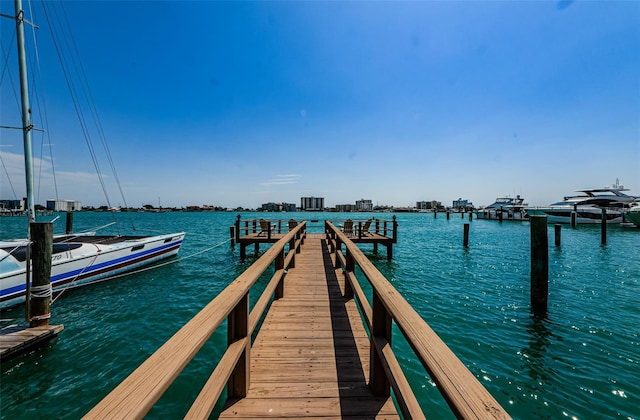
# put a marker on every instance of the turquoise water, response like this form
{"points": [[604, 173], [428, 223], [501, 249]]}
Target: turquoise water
{"points": [[581, 361]]}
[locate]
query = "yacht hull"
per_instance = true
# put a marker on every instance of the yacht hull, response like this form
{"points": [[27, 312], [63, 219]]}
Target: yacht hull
{"points": [[78, 263], [583, 216]]}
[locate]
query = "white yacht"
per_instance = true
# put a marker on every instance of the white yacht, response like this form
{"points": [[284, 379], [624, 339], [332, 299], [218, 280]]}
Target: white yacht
{"points": [[504, 208], [633, 215], [588, 206]]}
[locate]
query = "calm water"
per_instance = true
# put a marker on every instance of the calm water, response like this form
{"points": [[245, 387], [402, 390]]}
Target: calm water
{"points": [[581, 361]]}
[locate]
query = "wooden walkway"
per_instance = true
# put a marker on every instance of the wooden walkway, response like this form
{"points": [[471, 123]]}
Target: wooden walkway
{"points": [[311, 356]]}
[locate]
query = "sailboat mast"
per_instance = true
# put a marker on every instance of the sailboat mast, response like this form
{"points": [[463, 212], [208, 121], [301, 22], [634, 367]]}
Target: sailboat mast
{"points": [[26, 111]]}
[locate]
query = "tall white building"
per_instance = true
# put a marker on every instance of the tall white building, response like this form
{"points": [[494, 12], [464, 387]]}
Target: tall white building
{"points": [[64, 205], [312, 203], [364, 205]]}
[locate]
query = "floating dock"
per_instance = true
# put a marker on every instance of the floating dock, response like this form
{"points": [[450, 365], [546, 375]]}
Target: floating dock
{"points": [[16, 339]]}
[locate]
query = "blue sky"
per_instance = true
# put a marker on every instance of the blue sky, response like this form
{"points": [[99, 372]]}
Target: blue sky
{"points": [[242, 103]]}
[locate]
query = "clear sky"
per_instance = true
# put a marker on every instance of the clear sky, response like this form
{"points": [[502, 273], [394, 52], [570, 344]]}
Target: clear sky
{"points": [[242, 103]]}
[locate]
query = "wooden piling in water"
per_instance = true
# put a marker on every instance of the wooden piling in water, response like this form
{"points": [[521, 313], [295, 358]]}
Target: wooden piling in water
{"points": [[40, 291], [574, 215], [470, 216], [465, 239], [539, 264], [603, 228], [557, 231], [447, 214], [69, 223]]}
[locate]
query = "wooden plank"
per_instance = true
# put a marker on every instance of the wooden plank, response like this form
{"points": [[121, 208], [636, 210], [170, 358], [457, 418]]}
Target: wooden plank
{"points": [[311, 356], [19, 339], [303, 407]]}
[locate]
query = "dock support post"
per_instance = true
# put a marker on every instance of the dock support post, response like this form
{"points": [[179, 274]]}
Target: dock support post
{"points": [[539, 264], [603, 228], [42, 249], [435, 213], [574, 215], [69, 223], [558, 233], [257, 247], [447, 214], [243, 251], [470, 216], [237, 229], [465, 239], [395, 230], [389, 250], [500, 214], [237, 329], [232, 235], [380, 328]]}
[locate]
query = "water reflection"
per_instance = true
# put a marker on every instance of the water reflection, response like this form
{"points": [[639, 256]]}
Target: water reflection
{"points": [[538, 360]]}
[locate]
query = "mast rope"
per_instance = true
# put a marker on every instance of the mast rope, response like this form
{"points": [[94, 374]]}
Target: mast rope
{"points": [[41, 292], [40, 99], [173, 261], [74, 97], [15, 196], [95, 257]]}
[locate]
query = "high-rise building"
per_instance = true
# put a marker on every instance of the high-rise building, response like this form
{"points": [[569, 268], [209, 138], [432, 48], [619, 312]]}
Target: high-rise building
{"points": [[312, 203]]}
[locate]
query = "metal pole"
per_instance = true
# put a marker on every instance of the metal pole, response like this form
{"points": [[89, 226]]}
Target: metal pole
{"points": [[26, 110]]}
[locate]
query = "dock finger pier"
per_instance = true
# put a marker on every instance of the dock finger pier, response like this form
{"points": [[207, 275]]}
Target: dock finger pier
{"points": [[315, 344]]}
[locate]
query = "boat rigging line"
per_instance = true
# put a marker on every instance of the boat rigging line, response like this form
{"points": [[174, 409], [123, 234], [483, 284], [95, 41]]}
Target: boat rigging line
{"points": [[151, 267]]}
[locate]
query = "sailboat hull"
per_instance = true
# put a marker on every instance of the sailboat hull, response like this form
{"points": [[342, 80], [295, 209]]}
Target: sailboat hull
{"points": [[81, 262]]}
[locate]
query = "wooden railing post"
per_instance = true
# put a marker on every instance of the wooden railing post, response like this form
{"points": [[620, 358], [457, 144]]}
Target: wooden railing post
{"points": [[237, 329], [380, 328], [279, 262], [292, 247], [378, 226], [349, 266], [338, 250]]}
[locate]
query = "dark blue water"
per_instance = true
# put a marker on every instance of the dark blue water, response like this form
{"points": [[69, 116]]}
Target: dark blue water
{"points": [[580, 361]]}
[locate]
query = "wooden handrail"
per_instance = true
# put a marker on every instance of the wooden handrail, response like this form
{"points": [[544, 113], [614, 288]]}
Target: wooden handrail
{"points": [[137, 394], [466, 396]]}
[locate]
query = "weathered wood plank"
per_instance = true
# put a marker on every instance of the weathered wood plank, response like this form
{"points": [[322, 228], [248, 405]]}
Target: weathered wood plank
{"points": [[18, 339]]}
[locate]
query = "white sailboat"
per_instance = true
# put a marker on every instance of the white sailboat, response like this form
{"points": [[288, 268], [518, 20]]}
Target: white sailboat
{"points": [[77, 260]]}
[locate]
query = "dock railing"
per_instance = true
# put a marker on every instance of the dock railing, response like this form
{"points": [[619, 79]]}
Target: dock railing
{"points": [[465, 395], [138, 393]]}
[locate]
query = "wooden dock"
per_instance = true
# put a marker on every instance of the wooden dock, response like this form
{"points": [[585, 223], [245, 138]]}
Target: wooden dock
{"points": [[322, 350], [15, 340], [262, 231], [311, 356]]}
